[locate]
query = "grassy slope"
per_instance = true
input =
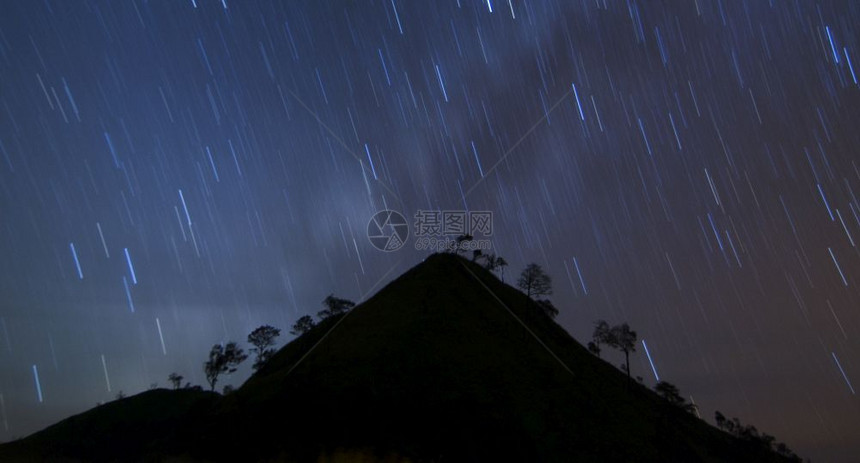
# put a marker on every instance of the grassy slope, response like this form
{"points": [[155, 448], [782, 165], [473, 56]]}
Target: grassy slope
{"points": [[431, 367]]}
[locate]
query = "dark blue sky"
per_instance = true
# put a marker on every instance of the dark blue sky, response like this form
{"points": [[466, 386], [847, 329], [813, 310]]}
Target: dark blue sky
{"points": [[187, 172]]}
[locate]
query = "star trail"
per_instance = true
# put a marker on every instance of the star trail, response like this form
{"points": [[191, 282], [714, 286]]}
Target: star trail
{"points": [[177, 173]]}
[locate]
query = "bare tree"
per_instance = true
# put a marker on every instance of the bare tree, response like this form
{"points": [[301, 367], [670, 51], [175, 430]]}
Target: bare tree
{"points": [[623, 339], [494, 263], [534, 281]]}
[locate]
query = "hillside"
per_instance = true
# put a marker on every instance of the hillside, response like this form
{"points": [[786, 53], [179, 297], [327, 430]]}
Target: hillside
{"points": [[443, 364], [116, 431]]}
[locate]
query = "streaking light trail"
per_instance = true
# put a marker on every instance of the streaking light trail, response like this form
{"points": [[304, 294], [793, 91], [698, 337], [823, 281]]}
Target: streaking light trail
{"points": [[77, 262], [843, 373], [648, 353], [38, 384], [130, 266]]}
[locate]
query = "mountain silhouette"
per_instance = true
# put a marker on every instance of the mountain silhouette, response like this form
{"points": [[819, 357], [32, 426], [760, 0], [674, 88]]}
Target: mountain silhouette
{"points": [[446, 363]]}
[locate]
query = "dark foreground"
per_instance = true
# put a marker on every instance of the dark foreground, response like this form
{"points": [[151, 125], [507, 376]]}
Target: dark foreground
{"points": [[434, 367]]}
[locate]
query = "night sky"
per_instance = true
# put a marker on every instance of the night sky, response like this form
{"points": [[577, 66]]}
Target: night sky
{"points": [[174, 174]]}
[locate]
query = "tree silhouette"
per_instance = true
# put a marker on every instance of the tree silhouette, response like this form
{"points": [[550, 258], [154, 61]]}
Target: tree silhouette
{"points": [[458, 244], [752, 435], [534, 281], [672, 394], [490, 261], [720, 419], [501, 263], [263, 338], [302, 325], [729, 426], [767, 440], [175, 379], [623, 339], [602, 335], [335, 306], [548, 308], [222, 360], [493, 263], [783, 450], [619, 337]]}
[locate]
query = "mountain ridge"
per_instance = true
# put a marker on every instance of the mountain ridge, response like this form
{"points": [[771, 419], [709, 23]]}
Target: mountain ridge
{"points": [[445, 363]]}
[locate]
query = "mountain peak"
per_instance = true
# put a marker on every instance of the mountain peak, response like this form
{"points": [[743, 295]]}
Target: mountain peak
{"points": [[445, 363]]}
